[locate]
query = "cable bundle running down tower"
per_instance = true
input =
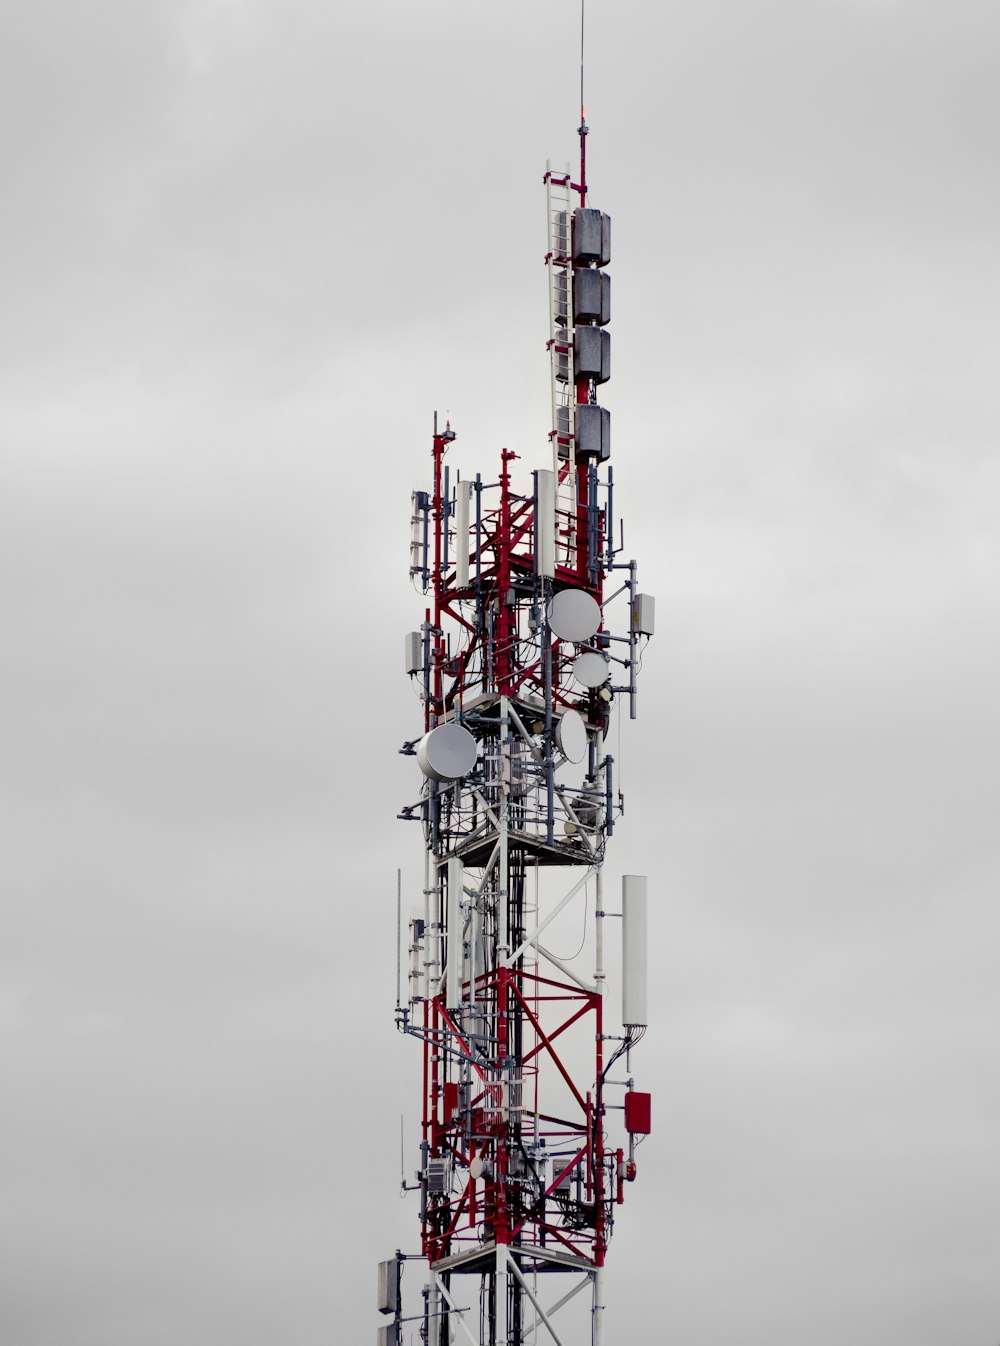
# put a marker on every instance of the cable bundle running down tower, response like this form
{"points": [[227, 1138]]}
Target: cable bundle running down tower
{"points": [[534, 628]]}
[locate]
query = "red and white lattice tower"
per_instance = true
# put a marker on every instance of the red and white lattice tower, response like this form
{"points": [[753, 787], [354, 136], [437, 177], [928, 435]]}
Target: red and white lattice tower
{"points": [[532, 634]]}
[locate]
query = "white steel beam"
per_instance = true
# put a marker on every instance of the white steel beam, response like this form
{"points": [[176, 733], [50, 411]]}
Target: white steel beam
{"points": [[580, 1285], [566, 971], [456, 1313], [500, 1298], [530, 941], [537, 1307]]}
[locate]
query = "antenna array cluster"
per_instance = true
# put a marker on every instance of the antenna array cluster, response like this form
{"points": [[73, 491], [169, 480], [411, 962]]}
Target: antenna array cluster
{"points": [[532, 632]]}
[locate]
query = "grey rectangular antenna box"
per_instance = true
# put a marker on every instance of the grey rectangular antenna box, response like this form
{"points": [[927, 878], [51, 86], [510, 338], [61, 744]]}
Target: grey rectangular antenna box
{"points": [[593, 431], [592, 353], [644, 615], [388, 1335], [414, 652], [591, 296], [388, 1286], [591, 236]]}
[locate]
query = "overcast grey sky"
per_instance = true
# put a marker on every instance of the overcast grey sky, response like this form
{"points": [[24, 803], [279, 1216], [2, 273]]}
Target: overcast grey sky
{"points": [[248, 247]]}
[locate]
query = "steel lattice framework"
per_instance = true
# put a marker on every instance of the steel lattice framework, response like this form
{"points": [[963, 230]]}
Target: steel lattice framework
{"points": [[519, 665]]}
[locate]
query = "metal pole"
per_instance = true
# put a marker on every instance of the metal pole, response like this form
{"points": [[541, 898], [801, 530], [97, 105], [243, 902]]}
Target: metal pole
{"points": [[399, 938], [598, 1306], [599, 930], [501, 1295]]}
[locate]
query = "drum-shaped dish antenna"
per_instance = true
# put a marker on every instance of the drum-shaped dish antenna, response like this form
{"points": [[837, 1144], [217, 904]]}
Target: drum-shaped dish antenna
{"points": [[571, 736], [447, 752], [574, 614], [591, 669]]}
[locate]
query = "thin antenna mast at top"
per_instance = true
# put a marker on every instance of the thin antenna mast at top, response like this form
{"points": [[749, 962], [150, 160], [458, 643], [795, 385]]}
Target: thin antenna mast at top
{"points": [[583, 115], [399, 931], [583, 5]]}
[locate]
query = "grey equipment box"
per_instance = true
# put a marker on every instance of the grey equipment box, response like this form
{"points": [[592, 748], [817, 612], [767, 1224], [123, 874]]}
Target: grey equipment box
{"points": [[593, 432], [592, 354], [414, 652], [438, 1177], [644, 615], [388, 1286], [591, 296], [591, 236], [388, 1335]]}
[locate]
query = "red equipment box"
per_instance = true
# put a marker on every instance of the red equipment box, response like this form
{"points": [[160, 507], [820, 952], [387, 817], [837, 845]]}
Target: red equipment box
{"points": [[637, 1113]]}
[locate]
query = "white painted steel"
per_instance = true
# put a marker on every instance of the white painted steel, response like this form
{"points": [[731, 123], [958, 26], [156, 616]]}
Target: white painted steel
{"points": [[538, 1308], [635, 1012], [545, 524], [501, 1295], [599, 931], [433, 1299], [399, 937], [564, 968], [532, 746], [503, 892], [429, 930], [571, 1294], [542, 925], [571, 736], [463, 496], [574, 614], [590, 669], [598, 1306], [447, 752], [455, 956], [457, 1315]]}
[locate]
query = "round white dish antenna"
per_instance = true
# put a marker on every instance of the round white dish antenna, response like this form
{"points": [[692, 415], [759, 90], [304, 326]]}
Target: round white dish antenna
{"points": [[476, 1168], [591, 669], [447, 752], [574, 614], [571, 736]]}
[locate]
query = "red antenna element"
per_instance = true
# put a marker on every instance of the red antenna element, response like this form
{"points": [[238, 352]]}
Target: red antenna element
{"points": [[533, 629]]}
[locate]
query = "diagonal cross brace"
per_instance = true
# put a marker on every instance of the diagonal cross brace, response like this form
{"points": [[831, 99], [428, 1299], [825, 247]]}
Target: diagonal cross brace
{"points": [[538, 1308], [457, 1313], [529, 941]]}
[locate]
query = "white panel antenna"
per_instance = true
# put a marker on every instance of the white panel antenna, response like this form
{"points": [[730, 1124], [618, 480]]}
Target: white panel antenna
{"points": [[463, 497], [456, 938], [545, 525], [635, 1011]]}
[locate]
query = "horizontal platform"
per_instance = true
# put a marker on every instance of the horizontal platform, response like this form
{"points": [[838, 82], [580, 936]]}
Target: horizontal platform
{"points": [[530, 1257], [476, 852]]}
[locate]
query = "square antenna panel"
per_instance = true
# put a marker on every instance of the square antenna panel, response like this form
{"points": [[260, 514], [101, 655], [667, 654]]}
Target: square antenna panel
{"points": [[388, 1286], [592, 354], [591, 296], [591, 237], [593, 431]]}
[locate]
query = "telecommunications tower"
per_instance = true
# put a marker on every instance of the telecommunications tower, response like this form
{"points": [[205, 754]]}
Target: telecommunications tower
{"points": [[531, 639]]}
